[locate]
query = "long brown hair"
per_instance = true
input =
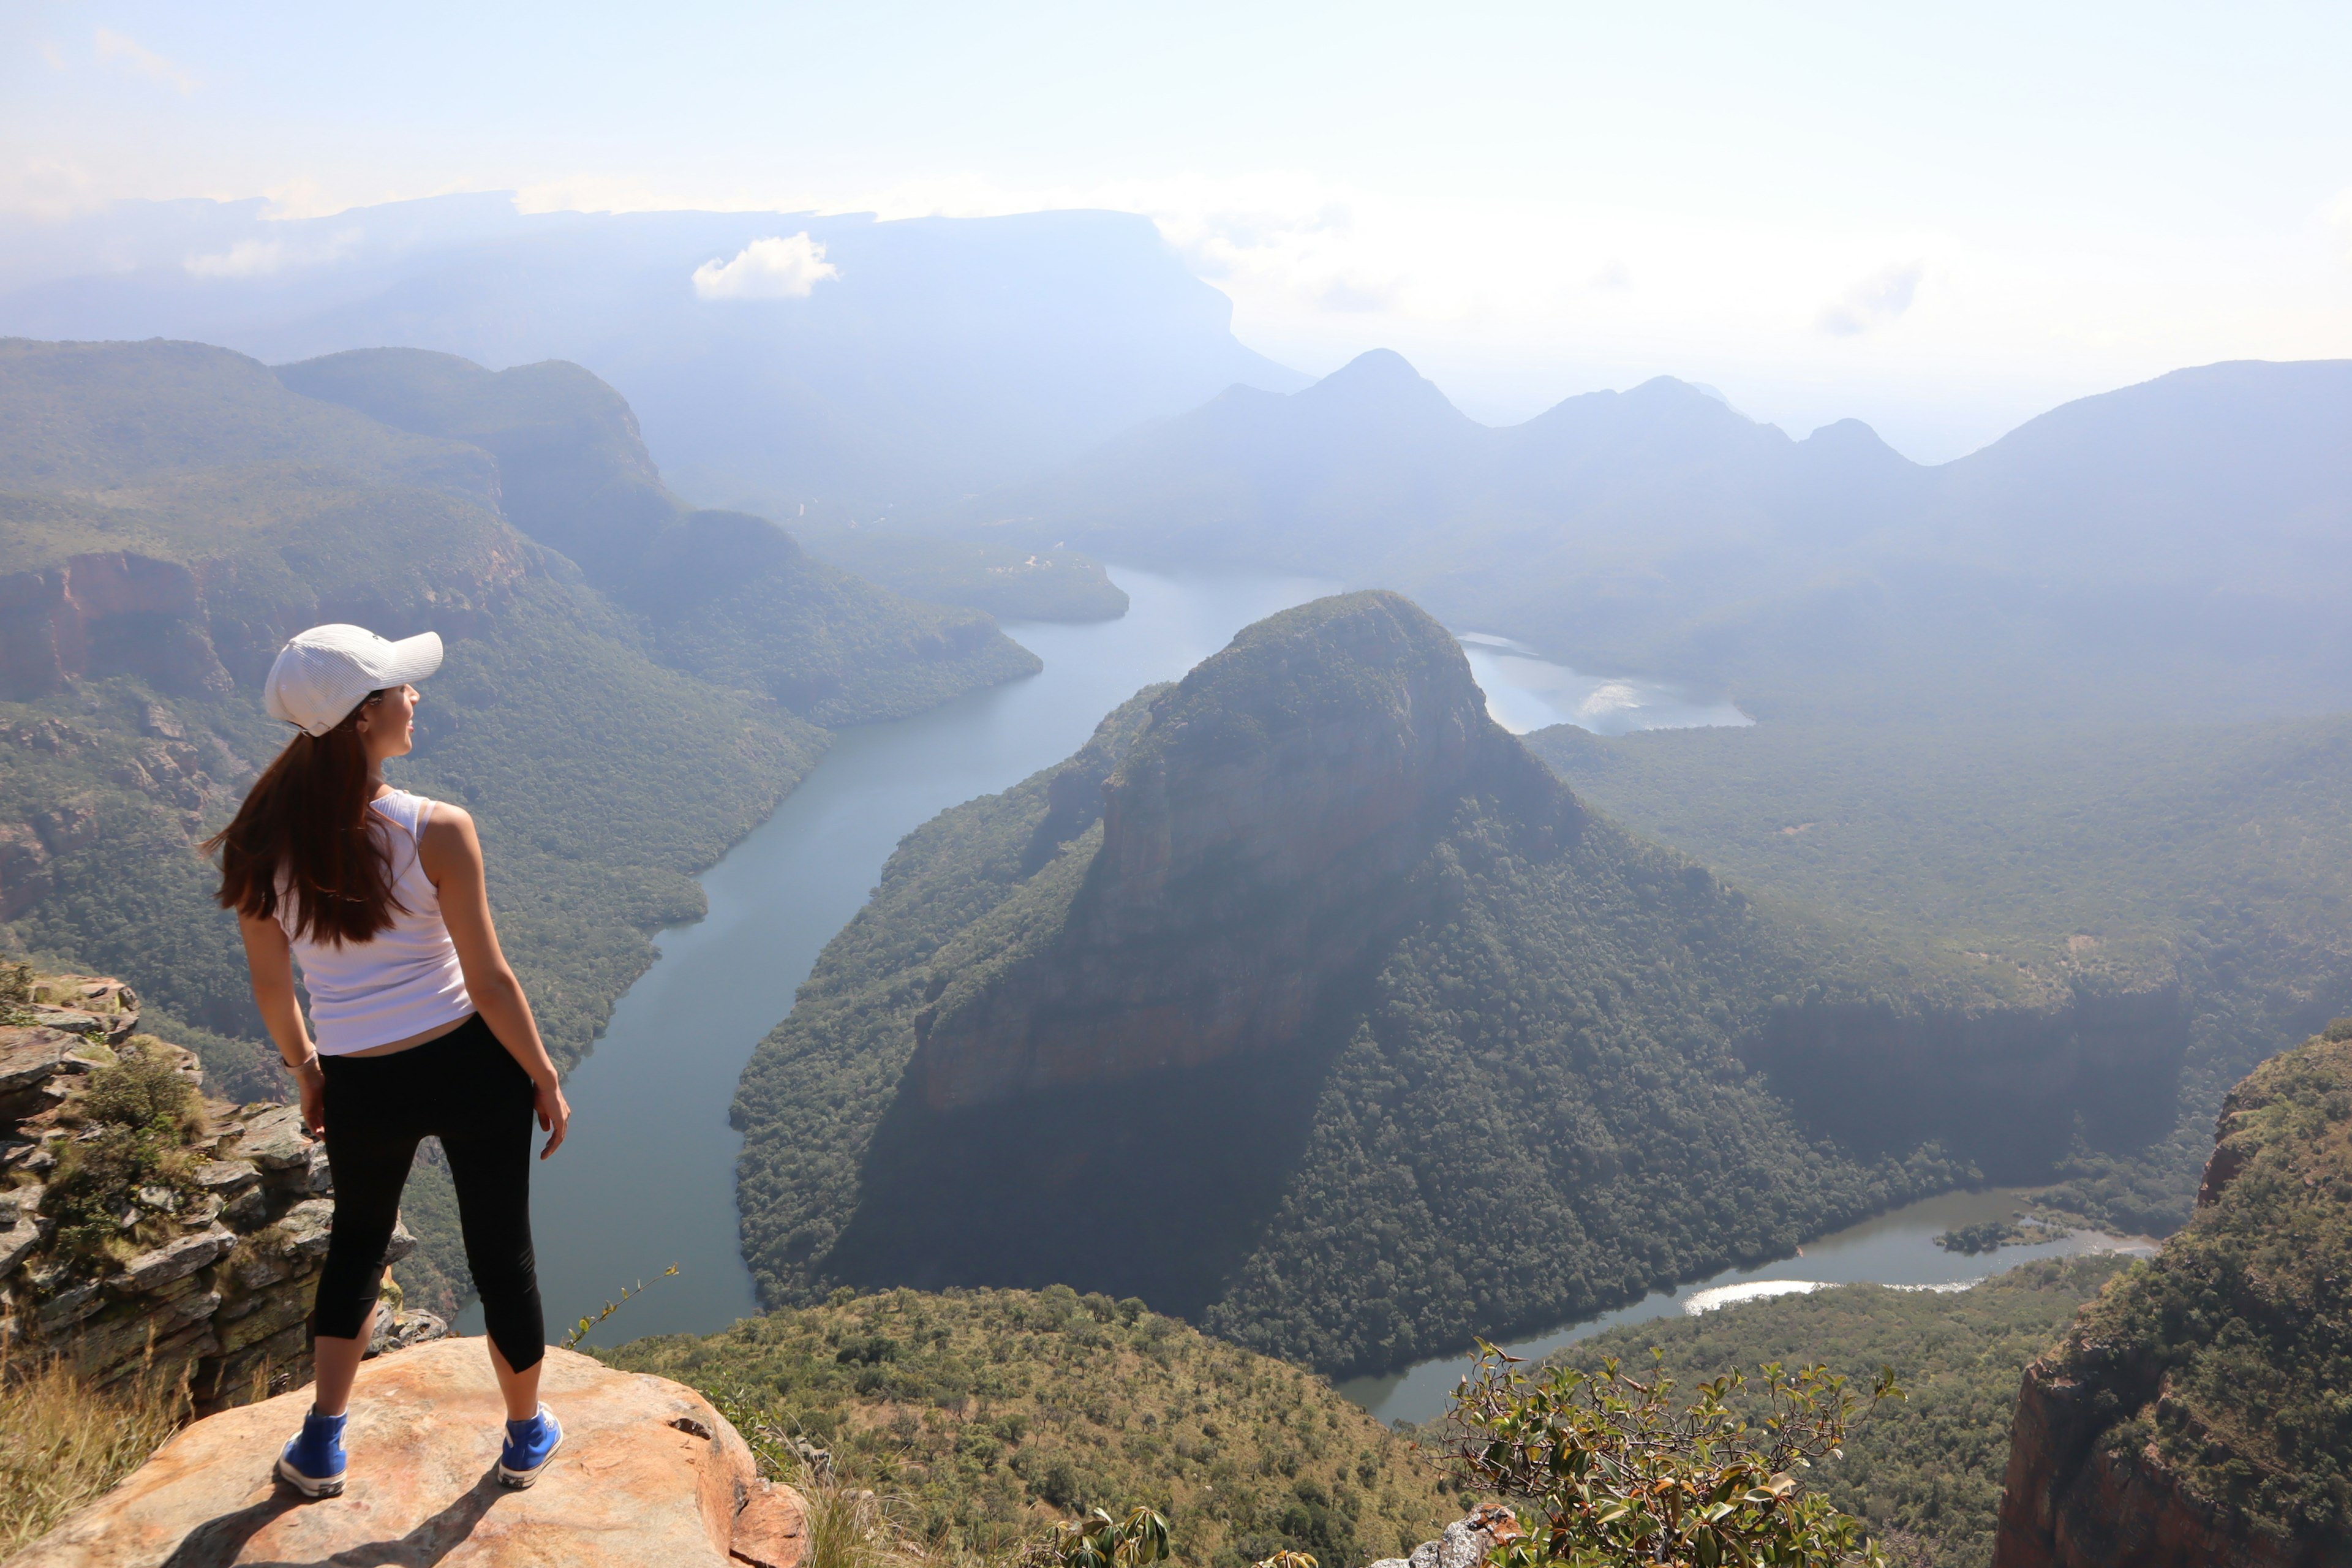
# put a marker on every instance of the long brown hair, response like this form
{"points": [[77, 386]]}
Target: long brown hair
{"points": [[303, 831]]}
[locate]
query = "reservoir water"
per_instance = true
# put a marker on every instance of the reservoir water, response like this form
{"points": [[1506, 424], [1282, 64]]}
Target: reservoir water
{"points": [[1897, 1248], [1525, 691], [647, 1177]]}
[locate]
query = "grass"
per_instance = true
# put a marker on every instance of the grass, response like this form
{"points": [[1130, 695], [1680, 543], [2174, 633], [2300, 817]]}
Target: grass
{"points": [[64, 1441]]}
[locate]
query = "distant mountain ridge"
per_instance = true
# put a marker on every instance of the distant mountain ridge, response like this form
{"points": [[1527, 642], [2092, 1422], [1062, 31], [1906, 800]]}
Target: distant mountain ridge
{"points": [[2165, 545], [940, 357]]}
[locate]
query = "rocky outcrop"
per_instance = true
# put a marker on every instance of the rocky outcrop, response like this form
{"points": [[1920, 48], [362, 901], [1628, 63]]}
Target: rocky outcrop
{"points": [[2189, 1419], [1255, 840], [125, 1254], [1466, 1541], [649, 1473]]}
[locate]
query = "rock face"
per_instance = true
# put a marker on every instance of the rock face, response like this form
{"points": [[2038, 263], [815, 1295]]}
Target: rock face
{"points": [[1255, 844], [649, 1473], [2190, 1417], [210, 1261], [1466, 1544]]}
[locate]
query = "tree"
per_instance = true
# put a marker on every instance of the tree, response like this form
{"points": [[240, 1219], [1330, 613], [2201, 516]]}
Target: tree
{"points": [[1618, 1470]]}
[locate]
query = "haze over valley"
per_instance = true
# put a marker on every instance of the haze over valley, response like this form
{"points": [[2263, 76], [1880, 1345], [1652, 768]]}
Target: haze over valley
{"points": [[1151, 785]]}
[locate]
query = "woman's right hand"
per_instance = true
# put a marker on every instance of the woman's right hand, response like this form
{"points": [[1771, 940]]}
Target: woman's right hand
{"points": [[311, 1085], [554, 1114]]}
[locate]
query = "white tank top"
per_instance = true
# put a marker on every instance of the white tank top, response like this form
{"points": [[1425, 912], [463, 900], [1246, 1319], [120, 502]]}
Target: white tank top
{"points": [[406, 981]]}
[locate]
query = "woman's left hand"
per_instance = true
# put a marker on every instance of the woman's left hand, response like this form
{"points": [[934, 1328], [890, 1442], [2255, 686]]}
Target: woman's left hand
{"points": [[554, 1116]]}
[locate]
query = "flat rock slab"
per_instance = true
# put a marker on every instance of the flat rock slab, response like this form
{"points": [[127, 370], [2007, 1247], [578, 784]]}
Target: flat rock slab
{"points": [[649, 1473]]}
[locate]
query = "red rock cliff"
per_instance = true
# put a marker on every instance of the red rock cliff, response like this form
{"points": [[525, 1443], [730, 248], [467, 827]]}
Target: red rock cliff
{"points": [[2185, 1422]]}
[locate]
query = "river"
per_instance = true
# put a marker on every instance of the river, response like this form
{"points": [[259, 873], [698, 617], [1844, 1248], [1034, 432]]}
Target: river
{"points": [[1897, 1248], [647, 1178]]}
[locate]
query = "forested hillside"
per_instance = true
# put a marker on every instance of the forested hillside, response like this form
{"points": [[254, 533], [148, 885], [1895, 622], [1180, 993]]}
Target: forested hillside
{"points": [[992, 1413], [168, 513], [2214, 857], [1303, 1004]]}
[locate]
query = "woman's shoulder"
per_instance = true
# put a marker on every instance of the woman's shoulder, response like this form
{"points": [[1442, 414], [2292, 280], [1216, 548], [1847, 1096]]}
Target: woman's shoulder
{"points": [[417, 813]]}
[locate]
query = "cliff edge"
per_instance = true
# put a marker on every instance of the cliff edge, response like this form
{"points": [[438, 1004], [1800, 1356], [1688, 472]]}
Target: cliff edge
{"points": [[649, 1473], [2195, 1414]]}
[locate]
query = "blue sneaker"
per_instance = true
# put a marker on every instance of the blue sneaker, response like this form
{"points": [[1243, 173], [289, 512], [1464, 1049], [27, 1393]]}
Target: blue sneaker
{"points": [[530, 1444], [313, 1463]]}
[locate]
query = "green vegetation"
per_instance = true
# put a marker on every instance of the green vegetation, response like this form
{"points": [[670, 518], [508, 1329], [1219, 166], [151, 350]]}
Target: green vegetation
{"points": [[200, 510], [1618, 1469], [2214, 861], [1992, 1234], [1924, 1477], [138, 1114], [992, 1414], [2231, 1350], [1525, 1101], [1009, 582]]}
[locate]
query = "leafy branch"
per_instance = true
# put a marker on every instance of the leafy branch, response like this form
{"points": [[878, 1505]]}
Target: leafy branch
{"points": [[586, 1326]]}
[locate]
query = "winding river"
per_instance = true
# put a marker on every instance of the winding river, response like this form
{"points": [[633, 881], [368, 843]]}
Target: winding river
{"points": [[647, 1179], [1897, 1248]]}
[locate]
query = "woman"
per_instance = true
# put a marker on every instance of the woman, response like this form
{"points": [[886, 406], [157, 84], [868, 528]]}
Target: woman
{"points": [[422, 1030]]}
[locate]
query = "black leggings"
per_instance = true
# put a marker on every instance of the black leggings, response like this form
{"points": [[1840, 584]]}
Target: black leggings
{"points": [[466, 1090]]}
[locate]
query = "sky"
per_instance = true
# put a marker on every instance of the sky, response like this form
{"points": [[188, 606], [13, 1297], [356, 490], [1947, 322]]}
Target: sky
{"points": [[1939, 219]]}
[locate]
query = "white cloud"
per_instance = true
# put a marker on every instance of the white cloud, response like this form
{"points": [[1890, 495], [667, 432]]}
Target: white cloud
{"points": [[48, 189], [114, 49], [265, 257], [1873, 301], [771, 268]]}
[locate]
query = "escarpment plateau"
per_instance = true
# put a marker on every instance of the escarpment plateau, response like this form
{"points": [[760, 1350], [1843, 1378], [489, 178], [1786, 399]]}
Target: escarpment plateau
{"points": [[2195, 1414], [1304, 1003]]}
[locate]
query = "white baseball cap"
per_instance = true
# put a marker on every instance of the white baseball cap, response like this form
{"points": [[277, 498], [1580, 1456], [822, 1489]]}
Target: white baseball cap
{"points": [[324, 673]]}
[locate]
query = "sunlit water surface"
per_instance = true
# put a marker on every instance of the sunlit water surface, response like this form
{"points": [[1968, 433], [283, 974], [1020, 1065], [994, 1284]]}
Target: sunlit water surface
{"points": [[1897, 1248], [1526, 693]]}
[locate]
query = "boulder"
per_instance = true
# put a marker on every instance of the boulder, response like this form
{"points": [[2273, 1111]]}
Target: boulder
{"points": [[649, 1473], [173, 1261], [274, 1137], [31, 1054], [1466, 1541]]}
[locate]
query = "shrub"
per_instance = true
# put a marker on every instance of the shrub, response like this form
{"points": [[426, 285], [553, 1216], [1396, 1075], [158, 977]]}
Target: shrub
{"points": [[1618, 1470]]}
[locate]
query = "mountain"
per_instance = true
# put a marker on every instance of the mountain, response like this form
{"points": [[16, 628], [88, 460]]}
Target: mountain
{"points": [[170, 512], [2163, 549], [1304, 1003], [872, 367], [2194, 1414], [727, 596]]}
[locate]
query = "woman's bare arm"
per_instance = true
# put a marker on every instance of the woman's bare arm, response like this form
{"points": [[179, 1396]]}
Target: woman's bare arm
{"points": [[452, 855], [269, 958]]}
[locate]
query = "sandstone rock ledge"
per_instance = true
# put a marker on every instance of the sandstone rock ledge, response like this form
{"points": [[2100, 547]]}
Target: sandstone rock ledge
{"points": [[649, 1473]]}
